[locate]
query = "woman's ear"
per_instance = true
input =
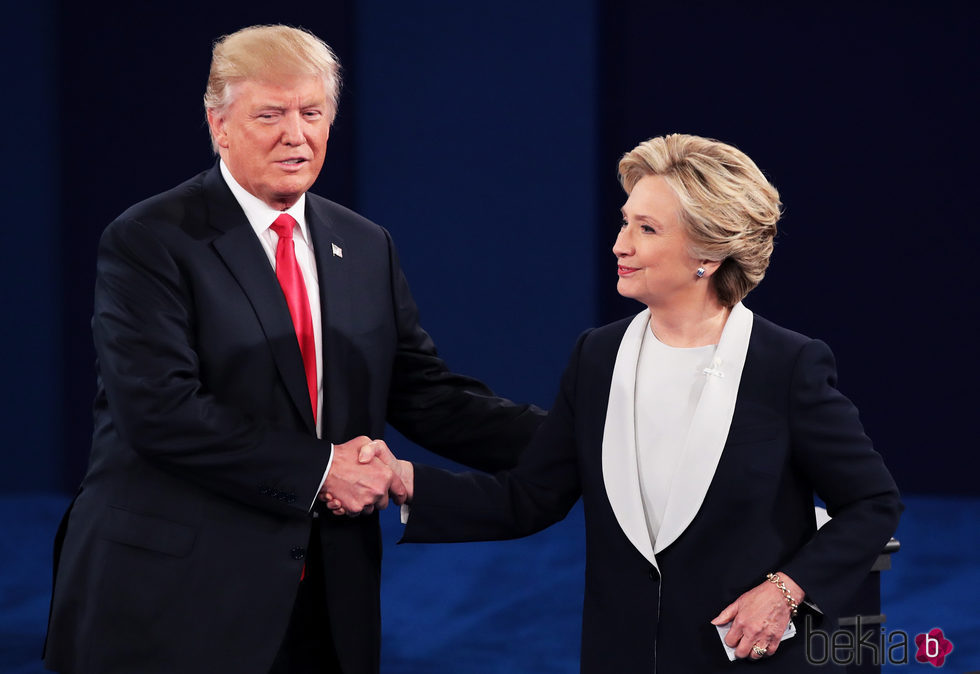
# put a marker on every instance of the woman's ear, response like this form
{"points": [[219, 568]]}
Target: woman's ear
{"points": [[707, 268]]}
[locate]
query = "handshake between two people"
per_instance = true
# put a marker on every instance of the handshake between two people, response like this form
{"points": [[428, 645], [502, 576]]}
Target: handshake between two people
{"points": [[364, 475]]}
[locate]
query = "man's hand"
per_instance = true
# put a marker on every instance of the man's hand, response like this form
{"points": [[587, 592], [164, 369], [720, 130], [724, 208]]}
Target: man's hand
{"points": [[368, 454], [357, 486]]}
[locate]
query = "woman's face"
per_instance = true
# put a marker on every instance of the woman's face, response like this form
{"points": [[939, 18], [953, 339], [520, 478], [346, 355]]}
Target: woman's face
{"points": [[652, 247]]}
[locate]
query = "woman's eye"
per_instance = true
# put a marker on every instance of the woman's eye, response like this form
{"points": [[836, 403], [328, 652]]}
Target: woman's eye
{"points": [[623, 223], [648, 229]]}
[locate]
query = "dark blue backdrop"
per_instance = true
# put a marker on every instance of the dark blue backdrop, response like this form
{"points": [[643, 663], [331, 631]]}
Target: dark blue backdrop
{"points": [[862, 114], [485, 138]]}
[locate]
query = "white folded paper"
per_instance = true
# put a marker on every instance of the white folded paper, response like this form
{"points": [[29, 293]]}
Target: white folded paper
{"points": [[723, 630]]}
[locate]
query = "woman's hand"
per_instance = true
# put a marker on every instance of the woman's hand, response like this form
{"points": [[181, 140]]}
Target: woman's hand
{"points": [[759, 617]]}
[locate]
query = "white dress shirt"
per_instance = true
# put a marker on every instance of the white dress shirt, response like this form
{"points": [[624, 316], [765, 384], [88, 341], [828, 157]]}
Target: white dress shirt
{"points": [[261, 216]]}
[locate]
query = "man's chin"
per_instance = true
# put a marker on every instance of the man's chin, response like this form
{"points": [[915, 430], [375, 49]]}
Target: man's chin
{"points": [[287, 193]]}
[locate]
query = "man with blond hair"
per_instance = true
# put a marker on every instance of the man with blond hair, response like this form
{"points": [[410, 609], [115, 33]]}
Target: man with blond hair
{"points": [[252, 338]]}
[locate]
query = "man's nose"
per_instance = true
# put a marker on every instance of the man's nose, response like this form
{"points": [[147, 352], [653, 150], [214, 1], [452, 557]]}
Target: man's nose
{"points": [[292, 130]]}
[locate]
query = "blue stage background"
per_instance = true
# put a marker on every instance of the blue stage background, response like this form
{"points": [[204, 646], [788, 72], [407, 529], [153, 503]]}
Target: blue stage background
{"points": [[485, 137]]}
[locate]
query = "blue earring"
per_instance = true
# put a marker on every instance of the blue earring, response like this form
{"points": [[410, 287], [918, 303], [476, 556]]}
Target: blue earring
{"points": [[700, 272]]}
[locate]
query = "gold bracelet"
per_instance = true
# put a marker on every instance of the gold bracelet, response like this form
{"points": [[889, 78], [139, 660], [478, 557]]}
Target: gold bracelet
{"points": [[778, 582]]}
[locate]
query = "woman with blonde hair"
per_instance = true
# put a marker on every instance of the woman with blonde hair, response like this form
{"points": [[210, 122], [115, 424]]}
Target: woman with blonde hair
{"points": [[697, 434]]}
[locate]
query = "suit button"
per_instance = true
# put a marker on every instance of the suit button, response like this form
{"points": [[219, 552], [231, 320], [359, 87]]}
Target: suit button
{"points": [[653, 574], [298, 553]]}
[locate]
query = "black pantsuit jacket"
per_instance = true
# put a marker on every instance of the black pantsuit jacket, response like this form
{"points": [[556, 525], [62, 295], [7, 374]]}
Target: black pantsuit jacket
{"points": [[183, 548], [791, 434]]}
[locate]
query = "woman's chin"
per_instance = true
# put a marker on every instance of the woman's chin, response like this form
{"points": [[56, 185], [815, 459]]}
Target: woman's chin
{"points": [[624, 289]]}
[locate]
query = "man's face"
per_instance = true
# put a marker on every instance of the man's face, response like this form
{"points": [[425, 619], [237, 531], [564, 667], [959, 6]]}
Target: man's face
{"points": [[273, 135]]}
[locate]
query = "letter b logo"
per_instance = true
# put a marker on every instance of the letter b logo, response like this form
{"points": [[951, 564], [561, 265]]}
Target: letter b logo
{"points": [[933, 647]]}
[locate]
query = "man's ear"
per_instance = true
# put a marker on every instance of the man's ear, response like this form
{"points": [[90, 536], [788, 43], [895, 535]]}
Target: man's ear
{"points": [[216, 120]]}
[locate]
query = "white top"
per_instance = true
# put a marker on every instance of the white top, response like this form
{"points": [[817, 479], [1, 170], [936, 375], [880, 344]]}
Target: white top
{"points": [[703, 447], [669, 382]]}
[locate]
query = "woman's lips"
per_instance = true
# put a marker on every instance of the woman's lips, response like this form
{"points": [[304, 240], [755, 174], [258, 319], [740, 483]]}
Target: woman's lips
{"points": [[626, 271]]}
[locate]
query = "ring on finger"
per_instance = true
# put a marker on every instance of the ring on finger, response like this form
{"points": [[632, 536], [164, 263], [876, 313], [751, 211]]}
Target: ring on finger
{"points": [[760, 651]]}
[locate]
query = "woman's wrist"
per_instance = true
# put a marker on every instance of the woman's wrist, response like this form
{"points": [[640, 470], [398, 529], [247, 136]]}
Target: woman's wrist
{"points": [[789, 589]]}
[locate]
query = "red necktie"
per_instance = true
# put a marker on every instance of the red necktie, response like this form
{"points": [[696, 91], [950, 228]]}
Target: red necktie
{"points": [[291, 279]]}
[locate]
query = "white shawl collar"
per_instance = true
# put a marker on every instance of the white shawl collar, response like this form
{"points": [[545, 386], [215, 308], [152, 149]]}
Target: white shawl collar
{"points": [[705, 441]]}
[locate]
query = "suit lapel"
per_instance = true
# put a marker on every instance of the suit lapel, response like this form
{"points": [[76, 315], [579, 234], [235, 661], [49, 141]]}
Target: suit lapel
{"points": [[708, 433], [242, 253], [619, 466], [335, 313]]}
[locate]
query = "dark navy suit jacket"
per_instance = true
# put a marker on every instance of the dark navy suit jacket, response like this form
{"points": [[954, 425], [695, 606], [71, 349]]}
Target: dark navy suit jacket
{"points": [[183, 548], [792, 434]]}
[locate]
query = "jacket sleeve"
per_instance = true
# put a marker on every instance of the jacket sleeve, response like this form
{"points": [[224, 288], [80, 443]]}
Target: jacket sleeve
{"points": [[537, 493], [831, 448], [144, 333], [450, 414]]}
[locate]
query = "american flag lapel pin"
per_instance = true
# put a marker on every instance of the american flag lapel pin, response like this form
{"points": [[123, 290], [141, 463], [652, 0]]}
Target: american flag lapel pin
{"points": [[337, 250]]}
